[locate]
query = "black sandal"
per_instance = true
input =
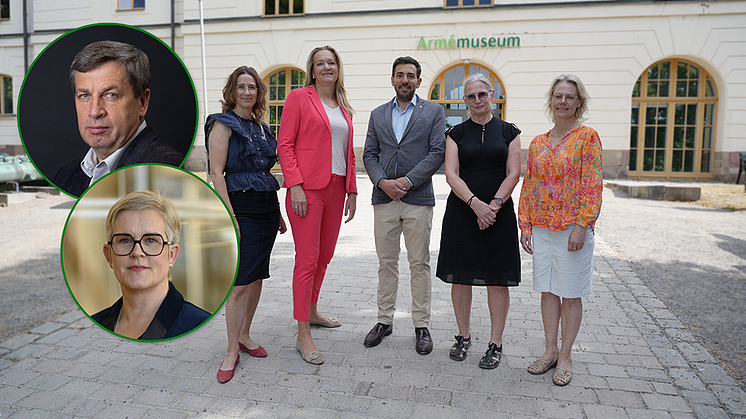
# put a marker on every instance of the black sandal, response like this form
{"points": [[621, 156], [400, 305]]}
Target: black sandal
{"points": [[491, 358], [458, 350]]}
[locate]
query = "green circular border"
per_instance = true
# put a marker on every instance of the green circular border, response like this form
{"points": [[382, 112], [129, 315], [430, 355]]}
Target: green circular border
{"points": [[238, 254], [20, 93]]}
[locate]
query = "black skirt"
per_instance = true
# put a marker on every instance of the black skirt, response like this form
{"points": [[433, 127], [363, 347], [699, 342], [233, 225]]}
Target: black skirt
{"points": [[258, 215]]}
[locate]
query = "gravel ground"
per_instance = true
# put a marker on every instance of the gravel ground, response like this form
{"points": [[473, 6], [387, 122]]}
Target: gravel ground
{"points": [[694, 259], [32, 287]]}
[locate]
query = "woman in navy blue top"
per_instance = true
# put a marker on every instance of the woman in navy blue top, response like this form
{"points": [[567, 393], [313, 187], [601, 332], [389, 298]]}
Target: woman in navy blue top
{"points": [[143, 228], [241, 152]]}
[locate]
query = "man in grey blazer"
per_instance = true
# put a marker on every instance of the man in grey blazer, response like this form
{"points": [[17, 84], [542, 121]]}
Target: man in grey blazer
{"points": [[404, 147]]}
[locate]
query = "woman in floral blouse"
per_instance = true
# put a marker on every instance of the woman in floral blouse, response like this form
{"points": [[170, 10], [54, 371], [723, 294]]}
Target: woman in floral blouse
{"points": [[560, 202]]}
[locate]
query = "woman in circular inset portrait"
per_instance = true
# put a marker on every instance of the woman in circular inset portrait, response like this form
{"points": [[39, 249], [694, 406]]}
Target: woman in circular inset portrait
{"points": [[169, 252], [143, 230]]}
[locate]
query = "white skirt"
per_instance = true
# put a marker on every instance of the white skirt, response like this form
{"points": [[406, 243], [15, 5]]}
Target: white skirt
{"points": [[559, 271]]}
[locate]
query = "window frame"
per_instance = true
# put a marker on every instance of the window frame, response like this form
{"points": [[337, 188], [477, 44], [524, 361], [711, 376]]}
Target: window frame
{"points": [[120, 8], [499, 103], [470, 6], [279, 104], [7, 4], [291, 9], [3, 101], [674, 157]]}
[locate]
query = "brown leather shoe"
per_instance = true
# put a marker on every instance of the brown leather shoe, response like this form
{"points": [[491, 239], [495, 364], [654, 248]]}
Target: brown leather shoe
{"points": [[376, 334], [424, 342]]}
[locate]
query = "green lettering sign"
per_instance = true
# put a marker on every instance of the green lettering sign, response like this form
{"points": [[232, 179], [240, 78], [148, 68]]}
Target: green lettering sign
{"points": [[478, 42]]}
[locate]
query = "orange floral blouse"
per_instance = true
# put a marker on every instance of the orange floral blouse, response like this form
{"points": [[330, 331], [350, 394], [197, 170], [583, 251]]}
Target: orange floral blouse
{"points": [[562, 185]]}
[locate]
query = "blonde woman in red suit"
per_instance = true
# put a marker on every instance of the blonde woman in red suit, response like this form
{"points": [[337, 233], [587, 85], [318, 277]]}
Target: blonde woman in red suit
{"points": [[318, 164]]}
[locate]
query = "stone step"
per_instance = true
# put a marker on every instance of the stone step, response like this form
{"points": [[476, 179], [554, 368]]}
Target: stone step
{"points": [[657, 191]]}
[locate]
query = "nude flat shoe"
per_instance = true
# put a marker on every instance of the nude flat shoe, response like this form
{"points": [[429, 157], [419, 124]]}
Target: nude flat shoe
{"points": [[314, 357], [332, 322]]}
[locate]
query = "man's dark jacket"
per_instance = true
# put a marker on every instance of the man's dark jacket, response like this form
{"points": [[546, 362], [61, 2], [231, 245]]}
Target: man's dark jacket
{"points": [[145, 148]]}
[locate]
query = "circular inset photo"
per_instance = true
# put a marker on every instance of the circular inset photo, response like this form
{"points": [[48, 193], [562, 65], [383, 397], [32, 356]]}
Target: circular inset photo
{"points": [[103, 97], [149, 252]]}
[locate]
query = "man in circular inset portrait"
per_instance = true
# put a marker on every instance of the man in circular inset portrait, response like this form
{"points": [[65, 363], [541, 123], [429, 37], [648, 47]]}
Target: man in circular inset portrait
{"points": [[112, 94]]}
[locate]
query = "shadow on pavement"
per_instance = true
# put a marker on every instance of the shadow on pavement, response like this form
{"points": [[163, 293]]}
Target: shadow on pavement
{"points": [[733, 245], [709, 302]]}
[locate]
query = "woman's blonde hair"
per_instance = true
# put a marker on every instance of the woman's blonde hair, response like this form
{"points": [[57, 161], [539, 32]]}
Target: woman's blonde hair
{"points": [[582, 110], [147, 200], [339, 86]]}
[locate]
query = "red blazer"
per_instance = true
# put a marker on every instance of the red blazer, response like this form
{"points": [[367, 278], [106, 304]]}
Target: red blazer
{"points": [[304, 143]]}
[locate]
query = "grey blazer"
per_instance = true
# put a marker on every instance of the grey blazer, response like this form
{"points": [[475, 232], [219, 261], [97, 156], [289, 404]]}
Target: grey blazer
{"points": [[418, 156]]}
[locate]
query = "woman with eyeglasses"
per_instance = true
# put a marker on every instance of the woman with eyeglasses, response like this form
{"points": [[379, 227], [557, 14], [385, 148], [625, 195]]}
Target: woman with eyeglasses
{"points": [[479, 239], [560, 202], [242, 151], [143, 230]]}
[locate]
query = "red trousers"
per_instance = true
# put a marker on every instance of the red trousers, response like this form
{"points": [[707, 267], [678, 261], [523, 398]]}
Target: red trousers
{"points": [[315, 237]]}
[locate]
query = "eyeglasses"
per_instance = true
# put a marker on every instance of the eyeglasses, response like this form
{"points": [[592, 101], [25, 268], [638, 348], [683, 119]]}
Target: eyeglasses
{"points": [[151, 244], [567, 98], [471, 97], [249, 88]]}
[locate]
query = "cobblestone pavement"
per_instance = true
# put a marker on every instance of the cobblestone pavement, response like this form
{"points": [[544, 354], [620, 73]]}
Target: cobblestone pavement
{"points": [[30, 250], [632, 358]]}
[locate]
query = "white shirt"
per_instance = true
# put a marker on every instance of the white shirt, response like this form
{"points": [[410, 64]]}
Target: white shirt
{"points": [[95, 169], [340, 135]]}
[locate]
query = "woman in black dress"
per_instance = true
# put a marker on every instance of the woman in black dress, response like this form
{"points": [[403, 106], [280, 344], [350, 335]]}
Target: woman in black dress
{"points": [[242, 151], [479, 240]]}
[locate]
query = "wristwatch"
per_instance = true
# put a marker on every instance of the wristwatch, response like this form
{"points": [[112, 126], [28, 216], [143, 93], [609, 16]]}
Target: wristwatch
{"points": [[499, 201]]}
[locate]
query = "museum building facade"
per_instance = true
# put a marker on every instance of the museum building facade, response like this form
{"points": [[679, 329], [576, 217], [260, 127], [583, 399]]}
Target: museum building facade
{"points": [[667, 79]]}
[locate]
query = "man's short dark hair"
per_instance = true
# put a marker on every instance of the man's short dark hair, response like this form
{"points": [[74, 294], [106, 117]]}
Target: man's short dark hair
{"points": [[134, 61], [406, 60]]}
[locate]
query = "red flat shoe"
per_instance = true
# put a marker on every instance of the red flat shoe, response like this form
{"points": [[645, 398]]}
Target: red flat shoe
{"points": [[225, 375], [258, 352]]}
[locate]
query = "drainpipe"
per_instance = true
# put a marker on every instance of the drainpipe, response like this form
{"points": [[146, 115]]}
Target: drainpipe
{"points": [[204, 75], [173, 25], [25, 37]]}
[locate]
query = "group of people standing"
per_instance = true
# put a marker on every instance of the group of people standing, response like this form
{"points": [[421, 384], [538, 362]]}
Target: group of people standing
{"points": [[406, 143]]}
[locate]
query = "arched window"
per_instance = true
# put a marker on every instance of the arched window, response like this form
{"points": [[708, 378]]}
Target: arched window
{"points": [[6, 97], [674, 106], [280, 83], [448, 90]]}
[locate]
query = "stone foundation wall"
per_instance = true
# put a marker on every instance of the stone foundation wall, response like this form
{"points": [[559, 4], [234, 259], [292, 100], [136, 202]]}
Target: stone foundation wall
{"points": [[197, 160], [13, 150], [725, 167], [616, 163]]}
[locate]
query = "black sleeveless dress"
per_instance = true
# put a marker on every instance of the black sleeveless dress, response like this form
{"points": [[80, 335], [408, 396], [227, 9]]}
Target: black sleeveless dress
{"points": [[468, 255]]}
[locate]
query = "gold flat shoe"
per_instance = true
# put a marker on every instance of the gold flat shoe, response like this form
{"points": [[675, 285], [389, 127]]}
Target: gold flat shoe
{"points": [[540, 366], [329, 323], [561, 377], [314, 357]]}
